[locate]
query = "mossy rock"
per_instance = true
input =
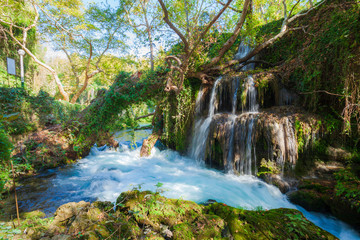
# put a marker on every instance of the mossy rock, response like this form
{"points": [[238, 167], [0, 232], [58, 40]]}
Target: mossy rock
{"points": [[33, 215], [216, 221], [310, 200], [149, 215], [272, 224]]}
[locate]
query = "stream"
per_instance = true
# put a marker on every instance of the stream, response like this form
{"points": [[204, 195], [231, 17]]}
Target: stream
{"points": [[103, 175]]}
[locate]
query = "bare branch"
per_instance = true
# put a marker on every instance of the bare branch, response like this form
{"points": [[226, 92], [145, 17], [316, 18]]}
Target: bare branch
{"points": [[210, 24], [292, 9], [323, 91], [144, 116], [171, 25], [232, 39], [231, 8], [168, 58]]}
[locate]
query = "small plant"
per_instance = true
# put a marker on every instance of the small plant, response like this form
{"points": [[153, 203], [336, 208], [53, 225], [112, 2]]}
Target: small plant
{"points": [[347, 186], [297, 224]]}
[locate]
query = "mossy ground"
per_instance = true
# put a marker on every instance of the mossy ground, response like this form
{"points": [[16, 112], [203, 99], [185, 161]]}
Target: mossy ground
{"points": [[148, 215]]}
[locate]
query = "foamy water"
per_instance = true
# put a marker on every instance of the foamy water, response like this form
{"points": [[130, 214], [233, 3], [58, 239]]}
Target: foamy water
{"points": [[104, 175]]}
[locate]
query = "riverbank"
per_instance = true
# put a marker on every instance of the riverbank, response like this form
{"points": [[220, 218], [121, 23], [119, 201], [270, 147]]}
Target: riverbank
{"points": [[149, 215]]}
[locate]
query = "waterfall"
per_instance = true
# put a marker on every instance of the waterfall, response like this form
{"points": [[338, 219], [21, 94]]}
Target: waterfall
{"points": [[198, 143], [229, 167], [227, 137], [243, 50], [251, 95]]}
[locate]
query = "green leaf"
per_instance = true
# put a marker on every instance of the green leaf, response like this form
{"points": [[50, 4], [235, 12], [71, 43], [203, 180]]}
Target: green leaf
{"points": [[159, 184]]}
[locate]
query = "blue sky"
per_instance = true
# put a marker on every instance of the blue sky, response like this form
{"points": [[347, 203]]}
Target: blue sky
{"points": [[111, 2]]}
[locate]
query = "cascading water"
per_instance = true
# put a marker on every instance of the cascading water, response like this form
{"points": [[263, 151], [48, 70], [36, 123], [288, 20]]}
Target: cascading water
{"points": [[230, 141], [230, 167], [198, 144], [251, 95], [246, 157], [240, 161]]}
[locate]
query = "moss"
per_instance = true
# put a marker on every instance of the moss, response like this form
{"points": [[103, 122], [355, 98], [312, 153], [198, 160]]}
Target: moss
{"points": [[323, 195], [322, 63], [178, 116], [151, 216], [267, 167], [310, 200], [272, 224], [183, 231]]}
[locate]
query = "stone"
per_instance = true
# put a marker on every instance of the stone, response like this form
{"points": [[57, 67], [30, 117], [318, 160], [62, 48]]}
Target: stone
{"points": [[61, 237], [69, 210], [338, 154]]}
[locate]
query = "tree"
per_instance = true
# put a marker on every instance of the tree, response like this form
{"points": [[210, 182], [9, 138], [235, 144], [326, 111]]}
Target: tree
{"points": [[10, 13], [179, 64], [85, 35], [144, 17], [190, 37]]}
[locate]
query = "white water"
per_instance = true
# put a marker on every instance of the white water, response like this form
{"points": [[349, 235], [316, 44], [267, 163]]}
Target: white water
{"points": [[104, 175], [251, 95], [198, 143]]}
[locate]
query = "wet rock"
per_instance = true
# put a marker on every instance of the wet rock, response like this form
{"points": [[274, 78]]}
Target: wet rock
{"points": [[326, 170], [319, 195], [338, 154], [284, 184]]}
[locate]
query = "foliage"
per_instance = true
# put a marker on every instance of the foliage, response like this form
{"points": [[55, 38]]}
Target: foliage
{"points": [[5, 153], [99, 117], [321, 62], [178, 115], [21, 15], [347, 186], [34, 111], [25, 113], [267, 167]]}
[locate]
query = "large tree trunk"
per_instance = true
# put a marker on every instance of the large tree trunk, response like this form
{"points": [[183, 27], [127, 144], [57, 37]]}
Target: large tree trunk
{"points": [[149, 143]]}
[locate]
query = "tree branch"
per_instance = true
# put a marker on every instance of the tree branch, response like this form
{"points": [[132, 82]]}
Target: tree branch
{"points": [[231, 8], [171, 25], [323, 91], [284, 29], [233, 37], [209, 25], [145, 116]]}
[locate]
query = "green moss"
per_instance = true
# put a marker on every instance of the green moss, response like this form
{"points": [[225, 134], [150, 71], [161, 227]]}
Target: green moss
{"points": [[178, 116], [310, 200], [347, 186], [267, 167], [183, 231], [151, 216]]}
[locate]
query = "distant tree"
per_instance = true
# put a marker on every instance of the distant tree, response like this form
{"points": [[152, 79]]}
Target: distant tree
{"points": [[84, 35], [145, 17], [10, 13]]}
